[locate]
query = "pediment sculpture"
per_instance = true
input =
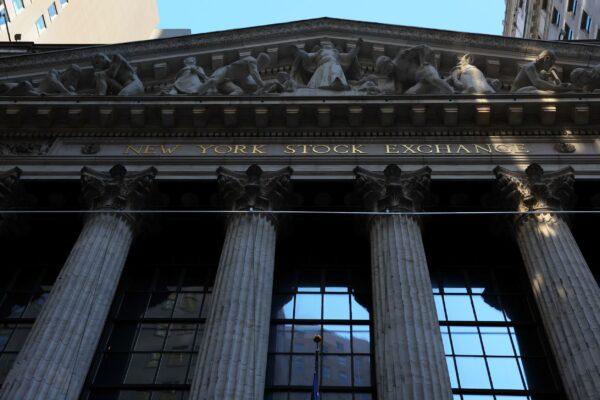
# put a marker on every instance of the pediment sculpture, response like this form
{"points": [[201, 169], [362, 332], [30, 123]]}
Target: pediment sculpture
{"points": [[538, 76]]}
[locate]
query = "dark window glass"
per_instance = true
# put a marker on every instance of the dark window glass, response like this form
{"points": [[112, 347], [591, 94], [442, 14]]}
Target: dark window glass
{"points": [[555, 16], [586, 22], [491, 335], [325, 302], [154, 330], [572, 6]]}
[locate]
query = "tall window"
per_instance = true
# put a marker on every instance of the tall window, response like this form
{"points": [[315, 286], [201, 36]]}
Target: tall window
{"points": [[555, 17], [493, 339], [41, 24], [19, 5], [52, 11], [332, 303], [23, 292], [568, 33], [586, 22], [153, 334], [572, 6], [64, 2], [3, 16]]}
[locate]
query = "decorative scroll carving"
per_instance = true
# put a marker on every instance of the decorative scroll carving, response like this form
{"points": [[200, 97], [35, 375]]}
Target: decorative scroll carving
{"points": [[115, 76], [392, 190], [539, 77], [116, 189], [467, 78], [254, 189], [55, 82], [327, 67], [535, 190], [189, 79], [240, 77], [414, 72]]}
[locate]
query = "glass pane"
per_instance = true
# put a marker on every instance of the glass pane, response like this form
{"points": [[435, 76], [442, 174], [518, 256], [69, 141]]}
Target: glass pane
{"points": [[111, 370], [302, 370], [121, 337], [336, 306], [151, 337], [304, 338], [173, 368], [465, 340], [472, 373], [133, 305], [485, 311], [181, 337], [336, 339], [496, 341], [142, 368], [358, 311], [281, 338], [439, 306], [336, 371], [308, 306], [362, 371], [188, 305], [18, 338], [505, 373], [361, 339], [278, 370], [452, 371], [283, 307], [459, 308], [161, 305], [14, 304], [446, 340]]}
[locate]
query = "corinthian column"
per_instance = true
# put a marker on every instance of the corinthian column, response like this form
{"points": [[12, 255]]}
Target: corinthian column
{"points": [[564, 288], [57, 354], [8, 182], [410, 362], [232, 357]]}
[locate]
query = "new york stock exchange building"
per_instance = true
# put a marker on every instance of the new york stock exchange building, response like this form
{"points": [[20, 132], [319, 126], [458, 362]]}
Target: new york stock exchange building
{"points": [[182, 217]]}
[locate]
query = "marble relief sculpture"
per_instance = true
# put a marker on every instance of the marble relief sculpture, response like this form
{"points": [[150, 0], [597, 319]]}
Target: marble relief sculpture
{"points": [[189, 79], [467, 78], [239, 77], [326, 67], [413, 71], [115, 76], [538, 77], [586, 79], [55, 82], [283, 83]]}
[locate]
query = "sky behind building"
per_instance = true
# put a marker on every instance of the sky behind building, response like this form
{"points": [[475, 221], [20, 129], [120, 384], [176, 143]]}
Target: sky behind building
{"points": [[480, 16]]}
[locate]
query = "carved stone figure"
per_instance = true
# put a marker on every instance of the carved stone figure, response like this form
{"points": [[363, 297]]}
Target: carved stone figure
{"points": [[282, 84], [467, 78], [586, 79], [327, 67], [240, 77], [116, 76], [189, 79], [55, 82], [414, 69], [538, 77]]}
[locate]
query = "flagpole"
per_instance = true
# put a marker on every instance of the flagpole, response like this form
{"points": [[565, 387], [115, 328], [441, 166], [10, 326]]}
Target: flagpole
{"points": [[315, 391]]}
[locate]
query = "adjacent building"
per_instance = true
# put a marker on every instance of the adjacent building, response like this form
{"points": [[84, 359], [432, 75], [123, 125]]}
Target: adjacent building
{"points": [[180, 217], [81, 21], [553, 19]]}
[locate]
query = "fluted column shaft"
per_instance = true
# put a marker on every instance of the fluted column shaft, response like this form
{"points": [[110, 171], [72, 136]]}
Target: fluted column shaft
{"points": [[568, 298], [233, 353], [57, 354], [410, 360]]}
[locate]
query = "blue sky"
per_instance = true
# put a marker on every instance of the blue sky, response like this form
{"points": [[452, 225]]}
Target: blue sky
{"points": [[481, 16]]}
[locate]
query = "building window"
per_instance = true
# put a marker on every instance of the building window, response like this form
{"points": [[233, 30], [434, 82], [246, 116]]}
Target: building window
{"points": [[331, 303], [586, 22], [572, 6], [63, 3], [3, 16], [568, 33], [41, 24], [23, 292], [19, 5], [555, 17], [493, 339], [52, 11], [150, 342], [520, 3], [545, 5]]}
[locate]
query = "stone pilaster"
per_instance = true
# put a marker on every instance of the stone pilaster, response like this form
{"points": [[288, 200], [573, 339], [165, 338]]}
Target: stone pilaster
{"points": [[232, 357], [564, 288], [409, 353], [8, 182], [57, 354]]}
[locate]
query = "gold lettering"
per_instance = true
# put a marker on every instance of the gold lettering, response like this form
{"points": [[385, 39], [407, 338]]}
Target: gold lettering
{"points": [[464, 148], [487, 149], [357, 149], [521, 148], [409, 148], [421, 146], [223, 149], [168, 149], [258, 149], [304, 148], [502, 148], [132, 148], [205, 147], [391, 149], [321, 149], [150, 149], [239, 149], [438, 150], [341, 149], [289, 149]]}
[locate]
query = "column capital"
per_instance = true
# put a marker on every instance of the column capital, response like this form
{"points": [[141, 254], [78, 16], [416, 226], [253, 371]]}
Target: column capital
{"points": [[8, 182], [534, 189], [254, 189], [392, 189], [116, 189]]}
